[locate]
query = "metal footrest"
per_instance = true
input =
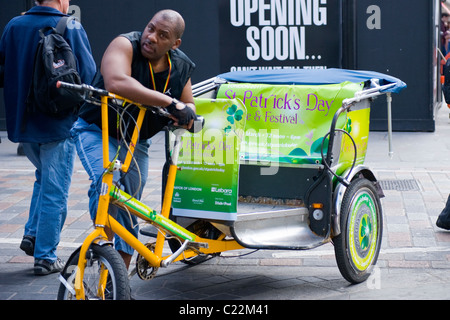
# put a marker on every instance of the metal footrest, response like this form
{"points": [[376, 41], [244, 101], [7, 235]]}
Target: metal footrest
{"points": [[152, 231], [198, 245], [272, 226]]}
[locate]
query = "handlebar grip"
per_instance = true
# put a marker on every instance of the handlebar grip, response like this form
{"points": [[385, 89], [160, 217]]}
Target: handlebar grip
{"points": [[66, 85], [83, 88]]}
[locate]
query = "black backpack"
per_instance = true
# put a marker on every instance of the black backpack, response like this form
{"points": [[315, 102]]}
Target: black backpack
{"points": [[54, 61]]}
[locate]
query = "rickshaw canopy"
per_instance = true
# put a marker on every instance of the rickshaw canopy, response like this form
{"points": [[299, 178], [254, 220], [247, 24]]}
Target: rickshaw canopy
{"points": [[312, 77]]}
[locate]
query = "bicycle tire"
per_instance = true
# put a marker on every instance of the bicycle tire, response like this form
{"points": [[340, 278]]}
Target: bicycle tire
{"points": [[117, 286], [358, 246]]}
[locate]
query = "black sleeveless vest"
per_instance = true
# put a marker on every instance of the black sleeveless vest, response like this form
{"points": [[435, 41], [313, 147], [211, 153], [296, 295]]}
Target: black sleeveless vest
{"points": [[182, 68]]}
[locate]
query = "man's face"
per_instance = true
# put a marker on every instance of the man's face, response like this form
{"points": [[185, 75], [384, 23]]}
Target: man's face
{"points": [[158, 38]]}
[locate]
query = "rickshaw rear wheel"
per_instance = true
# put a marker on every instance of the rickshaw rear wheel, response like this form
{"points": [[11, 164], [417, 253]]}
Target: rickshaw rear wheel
{"points": [[361, 222]]}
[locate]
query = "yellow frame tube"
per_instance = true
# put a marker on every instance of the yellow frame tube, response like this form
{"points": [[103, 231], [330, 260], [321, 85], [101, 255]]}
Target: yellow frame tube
{"points": [[105, 132], [134, 138], [167, 204], [79, 288], [122, 232], [165, 210], [99, 232], [214, 246], [102, 282]]}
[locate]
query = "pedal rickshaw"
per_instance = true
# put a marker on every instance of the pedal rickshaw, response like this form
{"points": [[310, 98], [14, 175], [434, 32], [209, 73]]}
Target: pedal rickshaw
{"points": [[276, 162]]}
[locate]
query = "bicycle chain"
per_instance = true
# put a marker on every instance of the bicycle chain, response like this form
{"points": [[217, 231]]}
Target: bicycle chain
{"points": [[143, 268]]}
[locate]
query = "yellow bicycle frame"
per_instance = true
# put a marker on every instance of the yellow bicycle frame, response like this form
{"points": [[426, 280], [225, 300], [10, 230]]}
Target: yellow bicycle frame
{"points": [[112, 195]]}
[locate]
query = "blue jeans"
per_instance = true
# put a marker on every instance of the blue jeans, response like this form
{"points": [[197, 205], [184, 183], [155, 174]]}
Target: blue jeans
{"points": [[48, 210], [88, 140]]}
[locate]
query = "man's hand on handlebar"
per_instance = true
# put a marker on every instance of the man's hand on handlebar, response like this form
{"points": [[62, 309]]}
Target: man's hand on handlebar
{"points": [[182, 115]]}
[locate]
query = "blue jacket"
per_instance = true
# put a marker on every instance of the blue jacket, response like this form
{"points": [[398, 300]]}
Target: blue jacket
{"points": [[17, 50]]}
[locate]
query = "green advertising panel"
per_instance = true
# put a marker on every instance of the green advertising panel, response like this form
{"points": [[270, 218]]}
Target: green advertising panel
{"points": [[287, 123], [206, 185], [357, 126], [259, 124]]}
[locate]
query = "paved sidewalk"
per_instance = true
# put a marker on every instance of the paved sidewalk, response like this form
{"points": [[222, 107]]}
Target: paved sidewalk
{"points": [[414, 262]]}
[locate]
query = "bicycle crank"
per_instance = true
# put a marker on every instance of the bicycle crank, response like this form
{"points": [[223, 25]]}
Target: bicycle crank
{"points": [[143, 268]]}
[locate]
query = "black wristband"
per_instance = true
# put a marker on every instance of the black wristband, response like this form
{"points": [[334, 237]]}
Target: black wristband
{"points": [[184, 116], [172, 106]]}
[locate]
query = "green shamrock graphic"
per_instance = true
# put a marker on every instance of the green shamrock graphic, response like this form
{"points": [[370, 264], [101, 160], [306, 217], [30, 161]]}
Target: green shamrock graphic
{"points": [[348, 126], [227, 129], [365, 232], [234, 114]]}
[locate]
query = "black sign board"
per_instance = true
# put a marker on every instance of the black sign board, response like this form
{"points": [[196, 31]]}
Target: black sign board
{"points": [[398, 38], [264, 34]]}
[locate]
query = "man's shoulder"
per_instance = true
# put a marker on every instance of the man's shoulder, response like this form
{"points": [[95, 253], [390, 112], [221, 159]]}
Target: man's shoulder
{"points": [[132, 36], [178, 55]]}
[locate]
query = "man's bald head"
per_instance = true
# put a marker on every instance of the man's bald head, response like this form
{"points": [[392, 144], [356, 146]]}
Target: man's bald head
{"points": [[175, 18]]}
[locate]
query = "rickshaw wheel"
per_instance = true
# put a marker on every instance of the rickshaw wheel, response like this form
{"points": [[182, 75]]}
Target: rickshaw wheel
{"points": [[358, 245]]}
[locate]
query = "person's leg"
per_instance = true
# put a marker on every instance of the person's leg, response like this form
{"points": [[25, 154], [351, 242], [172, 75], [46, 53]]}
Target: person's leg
{"points": [[443, 220], [133, 183], [88, 141], [32, 151], [57, 159]]}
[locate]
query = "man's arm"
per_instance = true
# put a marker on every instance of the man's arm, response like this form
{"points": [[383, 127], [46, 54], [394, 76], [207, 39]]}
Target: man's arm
{"points": [[116, 71], [186, 96]]}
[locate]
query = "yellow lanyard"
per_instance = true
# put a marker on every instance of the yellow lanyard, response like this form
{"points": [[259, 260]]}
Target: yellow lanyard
{"points": [[168, 77]]}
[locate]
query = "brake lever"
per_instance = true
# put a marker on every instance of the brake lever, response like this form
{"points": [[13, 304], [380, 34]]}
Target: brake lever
{"points": [[161, 111], [197, 126]]}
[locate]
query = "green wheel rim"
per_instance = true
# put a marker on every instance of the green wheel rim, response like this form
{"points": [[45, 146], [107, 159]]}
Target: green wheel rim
{"points": [[363, 230]]}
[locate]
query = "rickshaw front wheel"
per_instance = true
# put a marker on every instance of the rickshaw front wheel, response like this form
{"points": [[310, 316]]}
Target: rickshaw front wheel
{"points": [[358, 245], [102, 261]]}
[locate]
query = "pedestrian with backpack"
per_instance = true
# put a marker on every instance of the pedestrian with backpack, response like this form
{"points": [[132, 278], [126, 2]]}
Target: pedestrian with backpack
{"points": [[36, 115]]}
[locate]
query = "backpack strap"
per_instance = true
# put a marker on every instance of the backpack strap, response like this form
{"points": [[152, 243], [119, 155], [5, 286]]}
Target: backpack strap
{"points": [[62, 24], [59, 29]]}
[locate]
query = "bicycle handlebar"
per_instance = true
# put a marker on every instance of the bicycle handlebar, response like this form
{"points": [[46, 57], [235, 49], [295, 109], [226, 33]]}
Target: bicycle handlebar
{"points": [[87, 89]]}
